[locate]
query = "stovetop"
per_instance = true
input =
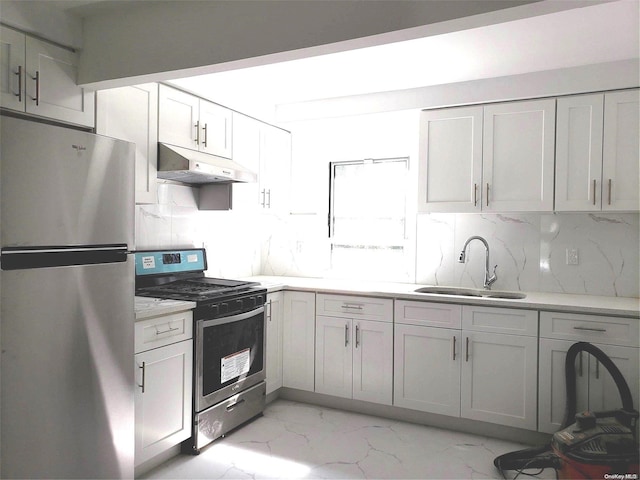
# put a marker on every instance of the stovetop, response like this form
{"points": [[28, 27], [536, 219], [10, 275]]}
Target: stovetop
{"points": [[203, 289]]}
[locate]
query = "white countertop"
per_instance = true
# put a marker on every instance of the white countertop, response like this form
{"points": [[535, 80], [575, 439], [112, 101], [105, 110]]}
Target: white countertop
{"points": [[146, 307], [599, 305]]}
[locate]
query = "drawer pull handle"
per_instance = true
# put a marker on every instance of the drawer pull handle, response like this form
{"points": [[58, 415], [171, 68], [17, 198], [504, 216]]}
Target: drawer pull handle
{"points": [[161, 332], [594, 191], [352, 306], [142, 367], [467, 351], [590, 329], [454, 348], [597, 369], [234, 405]]}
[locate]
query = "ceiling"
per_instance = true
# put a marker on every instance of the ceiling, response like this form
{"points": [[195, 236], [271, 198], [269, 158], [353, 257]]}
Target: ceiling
{"points": [[565, 39], [593, 34]]}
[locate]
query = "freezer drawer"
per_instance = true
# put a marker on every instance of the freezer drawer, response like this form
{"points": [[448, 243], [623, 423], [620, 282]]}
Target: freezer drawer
{"points": [[228, 414]]}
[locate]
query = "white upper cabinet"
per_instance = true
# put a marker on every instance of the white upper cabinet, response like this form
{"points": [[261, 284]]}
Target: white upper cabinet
{"points": [[40, 78], [621, 151], [450, 172], [490, 158], [579, 153], [598, 153], [215, 129], [131, 114], [191, 122], [518, 156]]}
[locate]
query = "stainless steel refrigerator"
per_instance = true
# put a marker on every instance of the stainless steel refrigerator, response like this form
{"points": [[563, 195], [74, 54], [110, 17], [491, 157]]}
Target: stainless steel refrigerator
{"points": [[67, 311]]}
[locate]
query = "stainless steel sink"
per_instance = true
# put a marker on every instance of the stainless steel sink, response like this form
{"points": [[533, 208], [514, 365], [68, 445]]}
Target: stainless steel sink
{"points": [[470, 292], [467, 292]]}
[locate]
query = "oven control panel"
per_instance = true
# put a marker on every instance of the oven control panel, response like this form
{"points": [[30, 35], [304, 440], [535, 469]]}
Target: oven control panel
{"points": [[232, 306], [157, 262]]}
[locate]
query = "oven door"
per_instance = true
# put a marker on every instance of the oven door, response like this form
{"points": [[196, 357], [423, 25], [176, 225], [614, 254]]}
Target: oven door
{"points": [[230, 356]]}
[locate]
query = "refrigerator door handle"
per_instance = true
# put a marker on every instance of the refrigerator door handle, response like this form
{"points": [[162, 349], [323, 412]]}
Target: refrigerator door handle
{"points": [[21, 258]]}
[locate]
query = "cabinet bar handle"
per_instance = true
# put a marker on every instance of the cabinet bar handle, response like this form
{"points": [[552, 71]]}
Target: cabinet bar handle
{"points": [[580, 368], [346, 334], [475, 194], [454, 348], [205, 135], [590, 329], [609, 196], [19, 74], [37, 79], [487, 194], [269, 310], [357, 336], [268, 198], [467, 350], [353, 306], [198, 132], [160, 332], [143, 373], [597, 369], [594, 191], [264, 198]]}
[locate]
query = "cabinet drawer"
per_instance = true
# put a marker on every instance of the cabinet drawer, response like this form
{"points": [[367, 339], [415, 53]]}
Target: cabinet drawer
{"points": [[428, 314], [500, 320], [370, 308], [164, 330], [590, 328]]}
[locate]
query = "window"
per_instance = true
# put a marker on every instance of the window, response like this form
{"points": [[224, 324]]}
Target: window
{"points": [[367, 218]]}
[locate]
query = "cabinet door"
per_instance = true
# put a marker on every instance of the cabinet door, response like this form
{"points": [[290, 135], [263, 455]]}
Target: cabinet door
{"points": [[552, 384], [500, 363], [579, 153], [427, 369], [178, 118], [603, 393], [12, 69], [450, 169], [518, 156], [274, 316], [246, 152], [620, 170], [215, 129], [131, 114], [373, 361], [162, 399], [334, 364], [51, 84], [275, 168], [298, 358]]}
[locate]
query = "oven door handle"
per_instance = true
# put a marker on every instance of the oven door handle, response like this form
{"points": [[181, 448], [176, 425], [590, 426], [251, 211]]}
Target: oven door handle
{"points": [[230, 318]]}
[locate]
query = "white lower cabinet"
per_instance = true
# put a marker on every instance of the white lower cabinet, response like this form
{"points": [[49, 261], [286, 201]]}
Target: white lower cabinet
{"points": [[473, 370], [274, 321], [354, 347], [298, 343], [354, 358], [427, 369], [617, 337], [499, 379], [164, 384]]}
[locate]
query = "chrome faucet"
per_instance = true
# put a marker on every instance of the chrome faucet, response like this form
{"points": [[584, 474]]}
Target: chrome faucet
{"points": [[488, 279]]}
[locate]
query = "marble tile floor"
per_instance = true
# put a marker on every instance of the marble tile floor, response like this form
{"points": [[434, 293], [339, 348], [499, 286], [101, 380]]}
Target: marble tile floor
{"points": [[296, 440]]}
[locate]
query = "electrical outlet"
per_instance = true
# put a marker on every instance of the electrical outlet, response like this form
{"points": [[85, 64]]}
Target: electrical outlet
{"points": [[572, 256]]}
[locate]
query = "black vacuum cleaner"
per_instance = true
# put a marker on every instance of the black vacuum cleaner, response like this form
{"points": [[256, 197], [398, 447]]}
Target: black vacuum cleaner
{"points": [[590, 445]]}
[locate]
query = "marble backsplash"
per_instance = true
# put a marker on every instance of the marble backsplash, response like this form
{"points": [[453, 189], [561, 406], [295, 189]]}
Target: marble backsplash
{"points": [[529, 249]]}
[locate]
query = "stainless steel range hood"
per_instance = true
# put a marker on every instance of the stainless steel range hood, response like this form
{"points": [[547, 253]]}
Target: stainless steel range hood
{"points": [[197, 168]]}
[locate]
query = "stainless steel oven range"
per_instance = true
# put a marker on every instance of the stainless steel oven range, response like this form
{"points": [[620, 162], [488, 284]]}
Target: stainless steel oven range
{"points": [[229, 339]]}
